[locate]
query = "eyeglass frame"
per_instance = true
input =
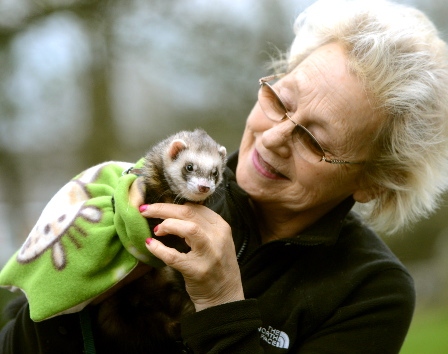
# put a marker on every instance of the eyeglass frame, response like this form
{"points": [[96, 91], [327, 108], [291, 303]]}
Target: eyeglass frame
{"points": [[265, 81]]}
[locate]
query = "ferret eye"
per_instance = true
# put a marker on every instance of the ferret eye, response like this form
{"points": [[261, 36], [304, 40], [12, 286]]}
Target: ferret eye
{"points": [[215, 173], [189, 167]]}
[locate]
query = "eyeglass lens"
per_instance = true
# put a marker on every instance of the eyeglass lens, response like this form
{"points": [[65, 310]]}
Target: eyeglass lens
{"points": [[274, 109]]}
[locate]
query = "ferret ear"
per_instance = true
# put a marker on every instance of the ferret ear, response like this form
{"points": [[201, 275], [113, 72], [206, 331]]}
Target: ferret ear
{"points": [[176, 147], [222, 151]]}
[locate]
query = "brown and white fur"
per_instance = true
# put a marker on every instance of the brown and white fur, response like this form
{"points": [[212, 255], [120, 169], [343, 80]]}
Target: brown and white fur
{"points": [[143, 316], [187, 166]]}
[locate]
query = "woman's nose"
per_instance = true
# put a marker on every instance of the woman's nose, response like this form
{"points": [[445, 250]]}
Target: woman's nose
{"points": [[277, 138]]}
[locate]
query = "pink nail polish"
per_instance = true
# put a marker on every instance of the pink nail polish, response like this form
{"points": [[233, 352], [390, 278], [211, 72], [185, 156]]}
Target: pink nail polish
{"points": [[148, 240], [156, 228], [143, 207]]}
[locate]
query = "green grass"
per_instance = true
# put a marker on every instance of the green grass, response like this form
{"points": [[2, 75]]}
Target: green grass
{"points": [[428, 333], [5, 297]]}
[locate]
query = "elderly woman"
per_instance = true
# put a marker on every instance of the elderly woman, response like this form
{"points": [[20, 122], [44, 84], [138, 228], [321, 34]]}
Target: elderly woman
{"points": [[359, 114], [356, 113]]}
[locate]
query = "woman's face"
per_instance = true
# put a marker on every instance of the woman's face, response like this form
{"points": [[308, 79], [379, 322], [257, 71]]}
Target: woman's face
{"points": [[322, 95]]}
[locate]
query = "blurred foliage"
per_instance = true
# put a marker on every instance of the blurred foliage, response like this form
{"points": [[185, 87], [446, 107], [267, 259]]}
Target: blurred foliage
{"points": [[89, 81], [5, 298]]}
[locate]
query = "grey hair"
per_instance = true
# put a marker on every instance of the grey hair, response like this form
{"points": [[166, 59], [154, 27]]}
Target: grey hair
{"points": [[397, 54]]}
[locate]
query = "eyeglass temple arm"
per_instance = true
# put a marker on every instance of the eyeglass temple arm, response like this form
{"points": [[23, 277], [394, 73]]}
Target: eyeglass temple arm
{"points": [[270, 78], [340, 162]]}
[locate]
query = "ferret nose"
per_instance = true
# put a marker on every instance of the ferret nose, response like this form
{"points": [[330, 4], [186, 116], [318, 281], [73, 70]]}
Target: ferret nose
{"points": [[203, 189]]}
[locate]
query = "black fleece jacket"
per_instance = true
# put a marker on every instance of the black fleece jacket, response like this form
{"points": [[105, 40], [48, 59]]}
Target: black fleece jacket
{"points": [[334, 288]]}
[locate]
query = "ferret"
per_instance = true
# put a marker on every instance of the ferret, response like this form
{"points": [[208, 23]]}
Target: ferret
{"points": [[144, 316], [187, 166]]}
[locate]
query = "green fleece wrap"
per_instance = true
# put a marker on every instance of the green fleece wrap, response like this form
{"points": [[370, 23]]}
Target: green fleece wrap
{"points": [[88, 238]]}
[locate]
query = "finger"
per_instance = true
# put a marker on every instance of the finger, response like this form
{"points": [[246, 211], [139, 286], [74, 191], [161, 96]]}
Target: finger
{"points": [[185, 229], [188, 211], [168, 255], [165, 211]]}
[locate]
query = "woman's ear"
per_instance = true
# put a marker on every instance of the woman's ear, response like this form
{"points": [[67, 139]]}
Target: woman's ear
{"points": [[363, 196], [367, 190]]}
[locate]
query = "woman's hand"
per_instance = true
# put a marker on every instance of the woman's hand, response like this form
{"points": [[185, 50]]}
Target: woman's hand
{"points": [[210, 269]]}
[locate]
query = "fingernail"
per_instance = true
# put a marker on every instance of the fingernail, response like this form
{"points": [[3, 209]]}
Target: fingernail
{"points": [[148, 240], [143, 207], [156, 228]]}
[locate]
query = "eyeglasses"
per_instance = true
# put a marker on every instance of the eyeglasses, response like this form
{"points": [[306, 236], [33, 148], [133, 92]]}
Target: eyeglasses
{"points": [[304, 142]]}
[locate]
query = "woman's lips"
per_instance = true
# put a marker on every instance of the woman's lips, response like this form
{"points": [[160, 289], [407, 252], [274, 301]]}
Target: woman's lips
{"points": [[264, 168]]}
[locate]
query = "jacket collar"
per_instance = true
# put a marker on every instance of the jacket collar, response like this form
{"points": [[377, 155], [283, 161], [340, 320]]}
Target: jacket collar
{"points": [[326, 230]]}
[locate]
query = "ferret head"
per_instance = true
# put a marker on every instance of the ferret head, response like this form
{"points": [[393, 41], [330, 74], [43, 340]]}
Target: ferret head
{"points": [[194, 167]]}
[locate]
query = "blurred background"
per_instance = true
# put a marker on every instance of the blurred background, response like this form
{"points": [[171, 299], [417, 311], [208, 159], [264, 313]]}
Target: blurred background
{"points": [[82, 82]]}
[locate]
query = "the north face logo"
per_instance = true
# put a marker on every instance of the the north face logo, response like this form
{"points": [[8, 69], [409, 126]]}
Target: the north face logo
{"points": [[274, 337]]}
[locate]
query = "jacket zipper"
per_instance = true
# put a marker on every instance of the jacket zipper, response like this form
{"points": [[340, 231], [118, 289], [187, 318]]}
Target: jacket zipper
{"points": [[243, 247]]}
